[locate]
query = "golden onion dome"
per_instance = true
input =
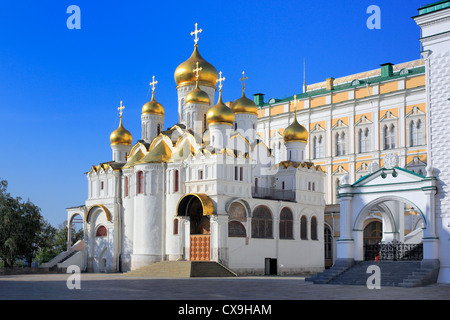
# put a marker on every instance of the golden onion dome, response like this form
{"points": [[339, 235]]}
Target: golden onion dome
{"points": [[295, 132], [244, 105], [153, 107], [220, 113], [121, 136], [197, 96], [184, 73]]}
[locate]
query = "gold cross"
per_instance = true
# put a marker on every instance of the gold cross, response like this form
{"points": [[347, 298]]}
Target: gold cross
{"points": [[196, 32], [196, 70], [121, 109], [243, 80], [220, 80], [153, 84]]}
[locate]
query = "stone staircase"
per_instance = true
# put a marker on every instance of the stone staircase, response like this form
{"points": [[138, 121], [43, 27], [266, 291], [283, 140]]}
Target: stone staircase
{"points": [[183, 269], [393, 273]]}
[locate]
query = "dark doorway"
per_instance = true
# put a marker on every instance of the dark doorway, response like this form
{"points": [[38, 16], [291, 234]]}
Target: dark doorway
{"points": [[270, 267]]}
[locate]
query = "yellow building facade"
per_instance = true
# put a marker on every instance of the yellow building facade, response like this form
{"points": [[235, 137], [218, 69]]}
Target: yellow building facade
{"points": [[354, 121]]}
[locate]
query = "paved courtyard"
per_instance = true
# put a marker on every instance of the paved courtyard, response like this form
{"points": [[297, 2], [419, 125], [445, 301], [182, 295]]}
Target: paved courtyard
{"points": [[120, 287]]}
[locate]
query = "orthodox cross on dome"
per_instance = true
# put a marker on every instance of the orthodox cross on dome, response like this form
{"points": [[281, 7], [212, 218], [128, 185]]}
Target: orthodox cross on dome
{"points": [[196, 71], [220, 80], [121, 109], [243, 80], [153, 83], [196, 32]]}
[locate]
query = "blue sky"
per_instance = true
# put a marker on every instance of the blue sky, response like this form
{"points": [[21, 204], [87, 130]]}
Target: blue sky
{"points": [[60, 88]]}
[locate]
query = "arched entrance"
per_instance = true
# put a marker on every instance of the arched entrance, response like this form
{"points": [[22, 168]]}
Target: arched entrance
{"points": [[387, 195], [197, 208]]}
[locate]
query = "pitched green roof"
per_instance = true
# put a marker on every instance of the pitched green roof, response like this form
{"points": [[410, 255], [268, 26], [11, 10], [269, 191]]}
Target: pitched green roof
{"points": [[352, 84]]}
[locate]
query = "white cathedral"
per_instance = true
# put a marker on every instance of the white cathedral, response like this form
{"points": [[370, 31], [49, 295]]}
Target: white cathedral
{"points": [[204, 189]]}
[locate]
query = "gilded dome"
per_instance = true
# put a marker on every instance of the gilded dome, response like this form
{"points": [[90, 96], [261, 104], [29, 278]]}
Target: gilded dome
{"points": [[220, 113], [295, 132], [153, 107], [244, 105], [121, 136], [197, 96], [184, 72]]}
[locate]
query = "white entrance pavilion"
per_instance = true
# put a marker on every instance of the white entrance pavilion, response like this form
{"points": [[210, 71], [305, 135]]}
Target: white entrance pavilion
{"points": [[388, 191]]}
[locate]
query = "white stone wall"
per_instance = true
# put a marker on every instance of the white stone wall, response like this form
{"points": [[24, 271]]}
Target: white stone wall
{"points": [[435, 27]]}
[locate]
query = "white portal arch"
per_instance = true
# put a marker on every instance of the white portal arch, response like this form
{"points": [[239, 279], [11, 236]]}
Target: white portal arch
{"points": [[384, 189]]}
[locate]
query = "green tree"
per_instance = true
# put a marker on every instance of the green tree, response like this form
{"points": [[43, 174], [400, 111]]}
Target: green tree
{"points": [[21, 228]]}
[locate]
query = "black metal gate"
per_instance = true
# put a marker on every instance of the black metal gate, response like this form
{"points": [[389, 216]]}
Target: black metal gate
{"points": [[393, 251]]}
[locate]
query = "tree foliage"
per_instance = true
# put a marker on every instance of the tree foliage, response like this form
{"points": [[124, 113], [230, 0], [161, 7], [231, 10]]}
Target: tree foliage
{"points": [[23, 231]]}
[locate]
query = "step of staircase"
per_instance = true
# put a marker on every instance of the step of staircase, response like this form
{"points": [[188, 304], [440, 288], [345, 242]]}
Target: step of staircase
{"points": [[182, 269], [392, 273]]}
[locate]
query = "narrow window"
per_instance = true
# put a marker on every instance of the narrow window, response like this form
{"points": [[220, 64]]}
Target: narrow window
{"points": [[314, 228], [126, 187], [176, 179], [241, 173], [175, 226], [303, 228], [140, 182]]}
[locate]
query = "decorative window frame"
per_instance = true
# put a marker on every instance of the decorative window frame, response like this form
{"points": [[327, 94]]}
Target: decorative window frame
{"points": [[341, 129], [414, 116], [387, 121], [315, 135], [362, 125]]}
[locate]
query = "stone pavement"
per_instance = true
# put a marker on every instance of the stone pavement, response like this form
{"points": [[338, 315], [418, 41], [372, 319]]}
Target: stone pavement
{"points": [[120, 287]]}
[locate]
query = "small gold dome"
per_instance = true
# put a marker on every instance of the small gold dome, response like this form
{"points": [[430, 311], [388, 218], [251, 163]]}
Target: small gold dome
{"points": [[153, 107], [197, 96], [220, 113], [244, 105], [184, 73], [295, 132], [121, 136]]}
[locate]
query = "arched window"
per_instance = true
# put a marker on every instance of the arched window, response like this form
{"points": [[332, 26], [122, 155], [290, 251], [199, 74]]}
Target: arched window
{"points": [[303, 228], [318, 147], [176, 181], [286, 224], [236, 216], [389, 137], [340, 144], [314, 228], [158, 129], [417, 133], [363, 137], [236, 229], [140, 182], [262, 223], [101, 232]]}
